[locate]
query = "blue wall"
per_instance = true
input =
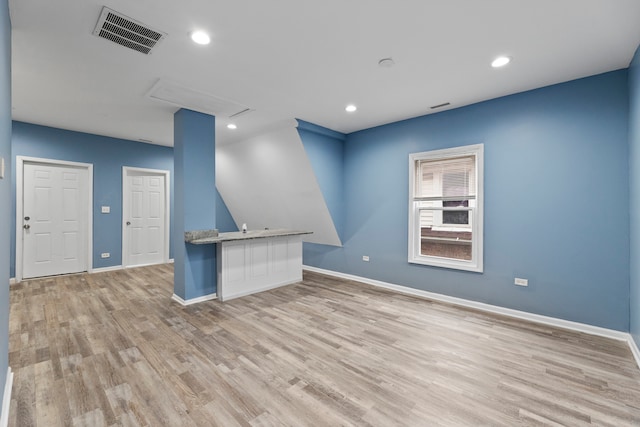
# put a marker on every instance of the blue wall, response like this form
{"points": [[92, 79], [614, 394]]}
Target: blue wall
{"points": [[634, 179], [5, 188], [196, 196], [325, 150], [108, 156], [556, 201], [224, 220]]}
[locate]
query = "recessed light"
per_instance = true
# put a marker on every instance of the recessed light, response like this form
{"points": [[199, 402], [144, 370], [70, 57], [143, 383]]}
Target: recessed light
{"points": [[200, 37], [500, 61], [232, 126], [350, 108]]}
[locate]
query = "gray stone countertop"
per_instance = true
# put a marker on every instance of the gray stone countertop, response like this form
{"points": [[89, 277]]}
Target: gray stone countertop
{"points": [[201, 238]]}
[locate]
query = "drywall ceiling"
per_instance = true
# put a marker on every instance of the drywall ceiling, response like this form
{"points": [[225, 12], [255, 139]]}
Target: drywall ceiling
{"points": [[308, 60]]}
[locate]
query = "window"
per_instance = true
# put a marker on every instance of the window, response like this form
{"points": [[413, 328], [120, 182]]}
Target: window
{"points": [[445, 212]]}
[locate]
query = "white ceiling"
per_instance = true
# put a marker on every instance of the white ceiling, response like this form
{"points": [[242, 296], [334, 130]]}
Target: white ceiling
{"points": [[304, 59]]}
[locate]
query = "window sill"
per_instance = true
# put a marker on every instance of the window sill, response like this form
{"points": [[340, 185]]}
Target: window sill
{"points": [[447, 263]]}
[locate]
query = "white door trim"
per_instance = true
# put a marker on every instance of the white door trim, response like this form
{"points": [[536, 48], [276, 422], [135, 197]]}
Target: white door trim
{"points": [[125, 206], [20, 161]]}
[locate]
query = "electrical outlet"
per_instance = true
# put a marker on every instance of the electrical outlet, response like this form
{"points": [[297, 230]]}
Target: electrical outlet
{"points": [[521, 282], [106, 209], [105, 255], [365, 258]]}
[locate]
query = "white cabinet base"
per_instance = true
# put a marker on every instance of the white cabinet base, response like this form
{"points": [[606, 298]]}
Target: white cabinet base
{"points": [[255, 265]]}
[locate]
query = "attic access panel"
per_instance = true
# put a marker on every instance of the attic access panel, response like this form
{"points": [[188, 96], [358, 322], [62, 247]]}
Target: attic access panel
{"points": [[196, 100]]}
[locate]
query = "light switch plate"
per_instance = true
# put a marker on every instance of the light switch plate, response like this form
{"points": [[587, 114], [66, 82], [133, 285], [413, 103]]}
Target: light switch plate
{"points": [[1, 167]]}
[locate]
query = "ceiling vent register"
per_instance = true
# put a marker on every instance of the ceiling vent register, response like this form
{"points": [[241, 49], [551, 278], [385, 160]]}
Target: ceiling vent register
{"points": [[126, 32]]}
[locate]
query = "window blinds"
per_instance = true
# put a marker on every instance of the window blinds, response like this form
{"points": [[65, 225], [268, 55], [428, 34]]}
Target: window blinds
{"points": [[448, 179]]}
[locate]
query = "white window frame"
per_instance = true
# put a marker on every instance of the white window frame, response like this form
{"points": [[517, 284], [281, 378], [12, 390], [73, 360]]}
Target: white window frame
{"points": [[477, 223]]}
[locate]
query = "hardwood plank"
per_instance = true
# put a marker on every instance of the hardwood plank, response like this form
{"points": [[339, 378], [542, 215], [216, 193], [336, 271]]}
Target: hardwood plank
{"points": [[113, 349]]}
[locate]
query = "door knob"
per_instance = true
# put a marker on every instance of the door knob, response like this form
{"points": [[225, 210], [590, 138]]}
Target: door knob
{"points": [[26, 226], [128, 222]]}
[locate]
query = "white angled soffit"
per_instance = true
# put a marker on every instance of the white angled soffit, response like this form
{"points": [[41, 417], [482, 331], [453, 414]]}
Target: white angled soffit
{"points": [[268, 181], [180, 96], [127, 32]]}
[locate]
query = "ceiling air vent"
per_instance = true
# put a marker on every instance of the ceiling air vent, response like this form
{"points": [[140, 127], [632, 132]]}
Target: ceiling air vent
{"points": [[125, 31], [440, 105]]}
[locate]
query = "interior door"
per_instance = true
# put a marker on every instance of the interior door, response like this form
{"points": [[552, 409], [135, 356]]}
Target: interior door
{"points": [[54, 232], [145, 217]]}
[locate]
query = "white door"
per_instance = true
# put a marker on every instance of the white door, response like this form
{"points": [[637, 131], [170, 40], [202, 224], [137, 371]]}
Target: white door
{"points": [[55, 226], [144, 214]]}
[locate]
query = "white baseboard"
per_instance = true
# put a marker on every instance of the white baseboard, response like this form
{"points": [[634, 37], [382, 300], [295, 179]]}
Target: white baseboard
{"points": [[537, 318], [194, 300], [12, 281], [6, 400], [122, 267], [634, 350], [171, 260], [105, 269]]}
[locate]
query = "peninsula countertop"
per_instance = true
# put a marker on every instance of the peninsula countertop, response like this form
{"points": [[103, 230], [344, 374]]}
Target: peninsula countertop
{"points": [[204, 237]]}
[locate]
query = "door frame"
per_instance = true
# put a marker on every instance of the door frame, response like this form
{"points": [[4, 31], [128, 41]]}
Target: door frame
{"points": [[125, 206], [20, 161]]}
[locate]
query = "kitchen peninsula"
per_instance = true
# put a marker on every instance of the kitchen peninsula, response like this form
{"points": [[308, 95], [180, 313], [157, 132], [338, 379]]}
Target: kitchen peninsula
{"points": [[253, 261]]}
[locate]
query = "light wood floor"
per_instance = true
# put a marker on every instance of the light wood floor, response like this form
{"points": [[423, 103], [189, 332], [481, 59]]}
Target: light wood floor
{"points": [[113, 349]]}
